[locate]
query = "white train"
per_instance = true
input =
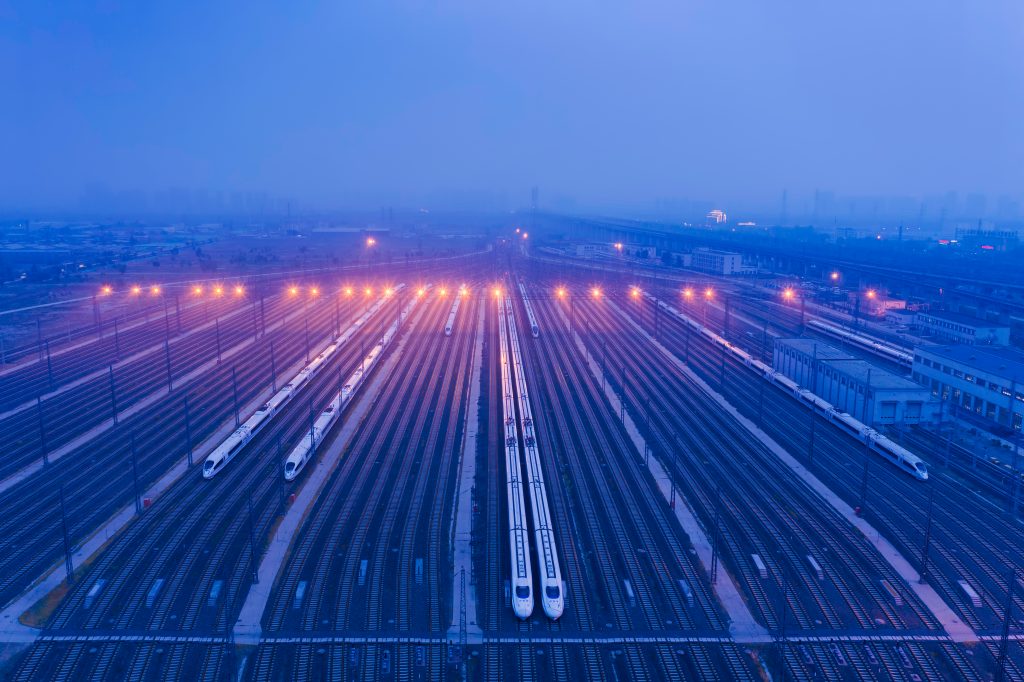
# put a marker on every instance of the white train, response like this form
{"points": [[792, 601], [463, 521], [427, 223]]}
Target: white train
{"points": [[902, 458], [534, 328], [236, 442], [869, 344], [552, 598], [450, 324], [304, 450], [522, 571]]}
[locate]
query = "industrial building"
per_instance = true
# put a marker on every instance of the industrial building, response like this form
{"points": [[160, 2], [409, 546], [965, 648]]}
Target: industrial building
{"points": [[955, 328], [720, 262], [871, 394], [987, 380]]}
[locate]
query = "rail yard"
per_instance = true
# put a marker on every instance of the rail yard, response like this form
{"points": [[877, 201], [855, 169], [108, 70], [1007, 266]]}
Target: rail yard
{"points": [[502, 465]]}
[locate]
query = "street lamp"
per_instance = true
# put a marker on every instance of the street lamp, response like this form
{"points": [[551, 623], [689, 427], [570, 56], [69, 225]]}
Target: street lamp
{"points": [[709, 294]]}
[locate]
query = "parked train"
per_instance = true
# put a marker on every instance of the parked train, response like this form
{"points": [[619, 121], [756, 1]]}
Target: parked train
{"points": [[450, 324], [896, 454], [522, 570], [866, 342], [534, 328], [552, 598], [304, 450], [236, 442]]}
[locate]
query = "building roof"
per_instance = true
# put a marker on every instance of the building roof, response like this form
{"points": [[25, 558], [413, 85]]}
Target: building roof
{"points": [[967, 320], [715, 252], [825, 351], [880, 379], [997, 360]]}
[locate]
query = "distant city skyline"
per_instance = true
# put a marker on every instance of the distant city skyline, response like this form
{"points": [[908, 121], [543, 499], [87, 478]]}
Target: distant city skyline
{"points": [[880, 108]]}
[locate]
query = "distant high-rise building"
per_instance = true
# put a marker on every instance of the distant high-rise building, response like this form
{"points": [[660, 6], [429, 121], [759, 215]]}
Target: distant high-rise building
{"points": [[716, 217]]}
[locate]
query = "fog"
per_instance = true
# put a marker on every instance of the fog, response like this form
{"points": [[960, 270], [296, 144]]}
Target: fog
{"points": [[600, 105]]}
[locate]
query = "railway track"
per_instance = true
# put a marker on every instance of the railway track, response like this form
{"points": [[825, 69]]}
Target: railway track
{"points": [[201, 528], [769, 514], [95, 486], [60, 419]]}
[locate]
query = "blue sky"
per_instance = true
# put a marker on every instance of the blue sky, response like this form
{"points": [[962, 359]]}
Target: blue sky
{"points": [[359, 103]]}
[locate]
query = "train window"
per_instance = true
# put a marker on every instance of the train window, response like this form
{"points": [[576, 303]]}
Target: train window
{"points": [[552, 592], [289, 466], [522, 592]]}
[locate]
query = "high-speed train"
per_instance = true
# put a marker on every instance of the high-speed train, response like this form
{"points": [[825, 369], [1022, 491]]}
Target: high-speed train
{"points": [[304, 450], [896, 454], [552, 598], [236, 442], [866, 342], [522, 570], [450, 324], [534, 328]]}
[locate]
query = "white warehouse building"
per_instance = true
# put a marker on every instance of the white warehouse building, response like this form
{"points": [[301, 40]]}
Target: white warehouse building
{"points": [[957, 328], [719, 262], [870, 394], [986, 380]]}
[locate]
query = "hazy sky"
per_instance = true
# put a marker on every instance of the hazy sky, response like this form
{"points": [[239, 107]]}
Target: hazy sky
{"points": [[345, 103]]}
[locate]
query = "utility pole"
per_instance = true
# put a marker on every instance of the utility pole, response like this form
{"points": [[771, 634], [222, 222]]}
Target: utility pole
{"points": [[281, 463], [135, 477], [42, 429], [686, 351], [216, 323], [714, 536], [69, 567], [252, 542], [117, 341], [928, 529], [782, 624], [273, 369], [263, 316], [188, 433], [167, 354], [49, 365], [312, 438], [113, 393], [1004, 638], [814, 393], [234, 388], [306, 319]]}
